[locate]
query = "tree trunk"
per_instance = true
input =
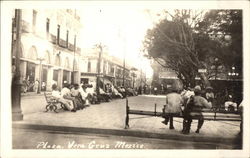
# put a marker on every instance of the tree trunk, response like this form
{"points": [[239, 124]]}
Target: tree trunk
{"points": [[204, 80]]}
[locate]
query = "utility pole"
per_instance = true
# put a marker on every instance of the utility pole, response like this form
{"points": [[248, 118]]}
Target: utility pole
{"points": [[16, 82], [98, 70], [72, 76], [123, 77]]}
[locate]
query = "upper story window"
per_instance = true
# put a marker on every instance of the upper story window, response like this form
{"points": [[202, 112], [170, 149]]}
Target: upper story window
{"points": [[67, 38], [47, 25], [112, 70], [34, 16], [58, 34], [89, 66]]}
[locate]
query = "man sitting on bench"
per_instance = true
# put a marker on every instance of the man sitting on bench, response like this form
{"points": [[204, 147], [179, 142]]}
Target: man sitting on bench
{"points": [[194, 110], [56, 94], [173, 105]]}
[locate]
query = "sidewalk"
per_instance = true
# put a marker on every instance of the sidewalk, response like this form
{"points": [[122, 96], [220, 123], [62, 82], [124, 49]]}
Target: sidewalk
{"points": [[109, 118]]}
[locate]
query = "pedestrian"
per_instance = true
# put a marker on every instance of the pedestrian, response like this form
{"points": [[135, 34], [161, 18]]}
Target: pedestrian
{"points": [[174, 101], [43, 86], [209, 95], [162, 89], [25, 85], [194, 109], [57, 95], [36, 86]]}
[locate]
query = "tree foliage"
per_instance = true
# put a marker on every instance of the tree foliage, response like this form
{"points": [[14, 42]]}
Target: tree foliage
{"points": [[186, 40], [228, 25]]}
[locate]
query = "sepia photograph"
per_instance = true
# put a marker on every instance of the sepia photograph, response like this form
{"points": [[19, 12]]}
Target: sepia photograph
{"points": [[124, 78]]}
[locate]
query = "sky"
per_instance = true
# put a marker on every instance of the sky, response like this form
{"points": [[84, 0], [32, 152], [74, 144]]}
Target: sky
{"points": [[121, 29]]}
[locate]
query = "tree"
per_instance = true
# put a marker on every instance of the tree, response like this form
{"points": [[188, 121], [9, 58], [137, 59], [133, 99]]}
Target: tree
{"points": [[175, 44], [227, 25], [186, 40]]}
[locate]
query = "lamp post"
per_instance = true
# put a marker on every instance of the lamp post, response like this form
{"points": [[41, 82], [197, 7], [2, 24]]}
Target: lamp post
{"points": [[232, 74], [40, 74], [73, 77], [216, 67], [16, 82], [133, 76], [99, 69]]}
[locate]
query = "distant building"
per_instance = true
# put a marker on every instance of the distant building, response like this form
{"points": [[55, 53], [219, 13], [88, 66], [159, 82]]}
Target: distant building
{"points": [[164, 78], [48, 41], [111, 69]]}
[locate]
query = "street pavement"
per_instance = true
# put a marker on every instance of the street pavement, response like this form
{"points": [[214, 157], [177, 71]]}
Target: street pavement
{"points": [[111, 116], [43, 139]]}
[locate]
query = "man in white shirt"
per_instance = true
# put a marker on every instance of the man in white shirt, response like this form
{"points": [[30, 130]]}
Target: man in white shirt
{"points": [[56, 94], [66, 94], [84, 94]]}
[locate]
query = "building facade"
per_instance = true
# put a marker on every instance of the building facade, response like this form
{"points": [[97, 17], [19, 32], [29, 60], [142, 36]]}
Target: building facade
{"points": [[111, 69], [49, 46]]}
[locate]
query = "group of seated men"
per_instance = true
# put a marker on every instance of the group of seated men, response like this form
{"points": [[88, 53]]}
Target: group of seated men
{"points": [[189, 103], [75, 97]]}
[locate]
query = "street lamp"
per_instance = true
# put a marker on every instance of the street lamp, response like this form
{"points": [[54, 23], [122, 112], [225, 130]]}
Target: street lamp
{"points": [[232, 74], [73, 73], [133, 75], [40, 74], [100, 46]]}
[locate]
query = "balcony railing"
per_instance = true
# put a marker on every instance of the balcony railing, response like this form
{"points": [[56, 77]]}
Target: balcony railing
{"points": [[52, 39], [62, 43], [70, 47]]}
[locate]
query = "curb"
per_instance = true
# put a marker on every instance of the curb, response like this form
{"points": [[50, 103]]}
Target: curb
{"points": [[124, 132]]}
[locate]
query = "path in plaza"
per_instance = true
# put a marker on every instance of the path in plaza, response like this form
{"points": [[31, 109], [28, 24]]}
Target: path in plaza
{"points": [[111, 115]]}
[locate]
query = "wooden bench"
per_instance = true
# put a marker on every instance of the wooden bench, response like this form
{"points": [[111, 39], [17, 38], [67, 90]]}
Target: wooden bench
{"points": [[52, 102], [208, 114]]}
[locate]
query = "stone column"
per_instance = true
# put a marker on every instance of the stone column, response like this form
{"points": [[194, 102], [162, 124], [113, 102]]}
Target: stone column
{"points": [[60, 78], [49, 79], [37, 72]]}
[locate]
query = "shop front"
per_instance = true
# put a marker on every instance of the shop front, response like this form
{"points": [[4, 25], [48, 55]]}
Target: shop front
{"points": [[30, 76], [66, 76]]}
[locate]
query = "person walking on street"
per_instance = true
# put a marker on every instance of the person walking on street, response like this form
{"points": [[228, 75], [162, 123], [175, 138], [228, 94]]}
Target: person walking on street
{"points": [[194, 109], [36, 86]]}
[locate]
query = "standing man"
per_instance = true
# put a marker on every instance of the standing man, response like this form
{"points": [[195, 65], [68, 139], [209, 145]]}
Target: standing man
{"points": [[173, 105], [36, 86]]}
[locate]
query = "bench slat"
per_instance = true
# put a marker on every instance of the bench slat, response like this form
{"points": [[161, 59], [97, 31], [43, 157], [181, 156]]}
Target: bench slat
{"points": [[219, 116]]}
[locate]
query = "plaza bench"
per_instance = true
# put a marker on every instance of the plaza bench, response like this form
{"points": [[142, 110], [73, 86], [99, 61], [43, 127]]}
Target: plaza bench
{"points": [[52, 102], [208, 114]]}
